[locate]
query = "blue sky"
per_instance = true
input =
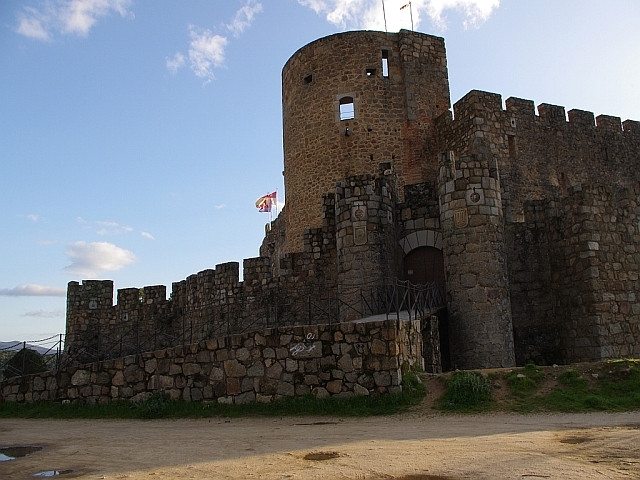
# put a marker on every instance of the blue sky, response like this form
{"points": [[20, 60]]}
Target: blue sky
{"points": [[136, 135]]}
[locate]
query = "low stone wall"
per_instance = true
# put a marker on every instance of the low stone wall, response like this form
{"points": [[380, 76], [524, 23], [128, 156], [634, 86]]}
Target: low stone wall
{"points": [[323, 360]]}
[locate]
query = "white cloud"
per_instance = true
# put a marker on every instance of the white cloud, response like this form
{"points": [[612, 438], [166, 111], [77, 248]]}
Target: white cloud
{"points": [[33, 217], [67, 17], [206, 51], [147, 235], [112, 228], [33, 290], [88, 259], [33, 24], [367, 14], [44, 313], [175, 63], [244, 18], [220, 207]]}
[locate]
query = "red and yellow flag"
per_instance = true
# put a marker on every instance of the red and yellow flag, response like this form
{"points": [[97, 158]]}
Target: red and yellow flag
{"points": [[264, 203]]}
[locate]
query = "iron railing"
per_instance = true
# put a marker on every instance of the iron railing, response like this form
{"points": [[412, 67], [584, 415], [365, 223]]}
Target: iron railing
{"points": [[401, 299]]}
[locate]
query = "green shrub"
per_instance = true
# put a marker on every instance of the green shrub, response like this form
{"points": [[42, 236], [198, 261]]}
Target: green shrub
{"points": [[157, 406], [25, 362], [466, 391]]}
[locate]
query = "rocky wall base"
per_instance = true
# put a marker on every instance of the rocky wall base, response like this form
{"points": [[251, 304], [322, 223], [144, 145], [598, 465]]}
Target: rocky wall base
{"points": [[323, 360]]}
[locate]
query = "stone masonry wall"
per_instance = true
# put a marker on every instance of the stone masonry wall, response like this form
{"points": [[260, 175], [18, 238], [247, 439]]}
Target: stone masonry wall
{"points": [[533, 300], [322, 360], [595, 264]]}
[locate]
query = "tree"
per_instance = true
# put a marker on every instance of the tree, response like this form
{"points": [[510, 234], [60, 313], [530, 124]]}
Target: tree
{"points": [[25, 362]]}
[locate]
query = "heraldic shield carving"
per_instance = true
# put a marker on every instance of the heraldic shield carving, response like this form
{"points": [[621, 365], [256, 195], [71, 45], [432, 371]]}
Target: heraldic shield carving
{"points": [[460, 218]]}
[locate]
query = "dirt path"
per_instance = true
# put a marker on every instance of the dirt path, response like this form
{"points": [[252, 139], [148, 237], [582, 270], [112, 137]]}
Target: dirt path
{"points": [[409, 446]]}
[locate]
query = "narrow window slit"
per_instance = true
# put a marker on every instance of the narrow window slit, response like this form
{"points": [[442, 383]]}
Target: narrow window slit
{"points": [[385, 63]]}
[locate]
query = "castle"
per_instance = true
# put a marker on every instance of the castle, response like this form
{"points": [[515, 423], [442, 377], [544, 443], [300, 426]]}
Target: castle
{"points": [[532, 222]]}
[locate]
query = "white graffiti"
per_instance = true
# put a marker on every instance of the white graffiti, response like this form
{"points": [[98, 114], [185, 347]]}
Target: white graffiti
{"points": [[302, 348]]}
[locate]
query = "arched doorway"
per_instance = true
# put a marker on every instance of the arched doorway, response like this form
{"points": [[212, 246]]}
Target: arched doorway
{"points": [[424, 265]]}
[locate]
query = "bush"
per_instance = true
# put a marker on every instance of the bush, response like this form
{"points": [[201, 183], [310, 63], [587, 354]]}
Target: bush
{"points": [[466, 391], [25, 362], [157, 406]]}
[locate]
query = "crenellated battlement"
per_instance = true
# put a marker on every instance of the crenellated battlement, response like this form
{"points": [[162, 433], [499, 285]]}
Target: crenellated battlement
{"points": [[486, 105], [537, 154]]}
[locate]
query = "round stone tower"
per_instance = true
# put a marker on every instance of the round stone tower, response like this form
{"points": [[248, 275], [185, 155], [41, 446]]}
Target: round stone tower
{"points": [[351, 102], [475, 259]]}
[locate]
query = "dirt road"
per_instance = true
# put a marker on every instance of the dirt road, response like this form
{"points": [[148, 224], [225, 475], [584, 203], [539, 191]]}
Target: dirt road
{"points": [[410, 446]]}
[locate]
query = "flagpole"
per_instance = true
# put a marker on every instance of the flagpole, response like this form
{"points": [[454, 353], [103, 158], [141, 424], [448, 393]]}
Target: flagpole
{"points": [[411, 13], [384, 14]]}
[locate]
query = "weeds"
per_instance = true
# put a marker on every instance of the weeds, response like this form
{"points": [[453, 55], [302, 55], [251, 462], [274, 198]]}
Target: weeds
{"points": [[466, 392], [525, 381]]}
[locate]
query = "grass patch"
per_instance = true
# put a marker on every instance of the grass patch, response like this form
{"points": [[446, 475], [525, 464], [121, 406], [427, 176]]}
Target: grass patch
{"points": [[161, 406], [466, 392], [525, 381], [617, 390]]}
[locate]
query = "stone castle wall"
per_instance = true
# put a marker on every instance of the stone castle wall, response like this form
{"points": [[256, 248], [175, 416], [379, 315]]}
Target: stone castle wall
{"points": [[542, 160], [322, 360], [393, 115], [364, 193]]}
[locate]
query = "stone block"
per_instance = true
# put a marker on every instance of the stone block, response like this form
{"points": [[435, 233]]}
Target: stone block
{"points": [[190, 369], [320, 392], [334, 386], [286, 389], [233, 386], [382, 379], [243, 354], [244, 398], [80, 377], [234, 369], [256, 370], [274, 371]]}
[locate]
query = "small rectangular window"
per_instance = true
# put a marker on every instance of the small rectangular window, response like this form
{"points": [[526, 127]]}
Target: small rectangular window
{"points": [[308, 79], [385, 63], [371, 72], [347, 109]]}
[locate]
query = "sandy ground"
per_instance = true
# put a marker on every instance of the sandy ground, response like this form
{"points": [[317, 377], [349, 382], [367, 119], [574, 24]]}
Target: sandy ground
{"points": [[410, 446]]}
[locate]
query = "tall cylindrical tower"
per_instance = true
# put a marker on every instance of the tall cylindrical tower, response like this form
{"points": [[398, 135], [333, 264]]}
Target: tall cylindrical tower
{"points": [[471, 215], [352, 101]]}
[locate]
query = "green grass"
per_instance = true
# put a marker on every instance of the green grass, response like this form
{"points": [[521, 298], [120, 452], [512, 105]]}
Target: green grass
{"points": [[466, 392], [524, 381], [160, 406], [618, 390]]}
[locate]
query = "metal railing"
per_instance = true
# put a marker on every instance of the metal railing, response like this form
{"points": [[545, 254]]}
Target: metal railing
{"points": [[191, 325]]}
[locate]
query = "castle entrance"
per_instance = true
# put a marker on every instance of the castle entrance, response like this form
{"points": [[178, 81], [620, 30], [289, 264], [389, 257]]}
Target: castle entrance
{"points": [[425, 265]]}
